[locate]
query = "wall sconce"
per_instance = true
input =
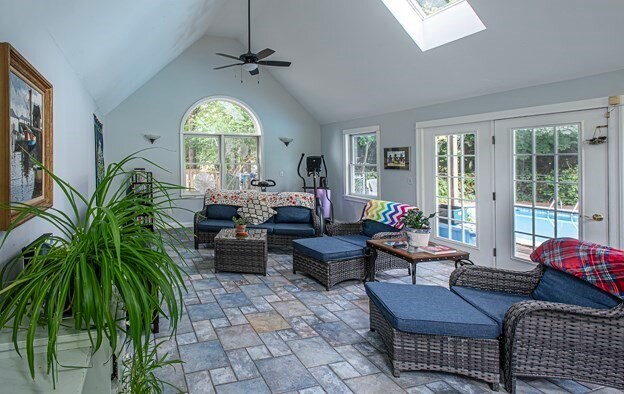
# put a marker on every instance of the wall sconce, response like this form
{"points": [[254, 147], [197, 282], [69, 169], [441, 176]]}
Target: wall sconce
{"points": [[286, 140], [151, 137]]}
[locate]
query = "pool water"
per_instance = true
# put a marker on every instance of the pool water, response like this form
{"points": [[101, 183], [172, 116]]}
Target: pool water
{"points": [[567, 226]]}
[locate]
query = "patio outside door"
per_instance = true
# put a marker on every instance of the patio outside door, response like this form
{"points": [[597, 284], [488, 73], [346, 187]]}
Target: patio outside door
{"points": [[549, 183]]}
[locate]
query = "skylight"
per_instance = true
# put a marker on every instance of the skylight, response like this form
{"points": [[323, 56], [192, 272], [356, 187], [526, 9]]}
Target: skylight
{"points": [[430, 7], [432, 23]]}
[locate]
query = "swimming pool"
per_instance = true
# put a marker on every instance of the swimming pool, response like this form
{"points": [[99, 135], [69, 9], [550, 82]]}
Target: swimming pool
{"points": [[567, 225]]}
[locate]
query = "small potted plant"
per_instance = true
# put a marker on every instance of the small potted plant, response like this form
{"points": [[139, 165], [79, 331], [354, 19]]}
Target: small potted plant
{"points": [[417, 227], [240, 224]]}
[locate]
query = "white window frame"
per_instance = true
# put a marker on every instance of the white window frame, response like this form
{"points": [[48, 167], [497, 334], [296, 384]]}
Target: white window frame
{"points": [[221, 137], [461, 198], [347, 134]]}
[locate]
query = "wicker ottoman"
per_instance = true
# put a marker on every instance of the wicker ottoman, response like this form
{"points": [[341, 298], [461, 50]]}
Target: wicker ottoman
{"points": [[476, 357], [241, 254], [329, 260]]}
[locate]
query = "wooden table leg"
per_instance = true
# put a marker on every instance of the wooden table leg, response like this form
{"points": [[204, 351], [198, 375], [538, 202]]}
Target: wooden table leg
{"points": [[413, 266], [371, 256]]}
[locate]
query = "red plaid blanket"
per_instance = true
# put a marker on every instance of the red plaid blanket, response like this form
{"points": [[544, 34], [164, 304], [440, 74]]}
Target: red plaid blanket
{"points": [[599, 265]]}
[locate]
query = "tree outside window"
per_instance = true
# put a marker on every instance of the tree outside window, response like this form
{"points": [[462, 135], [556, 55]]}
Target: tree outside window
{"points": [[221, 147]]}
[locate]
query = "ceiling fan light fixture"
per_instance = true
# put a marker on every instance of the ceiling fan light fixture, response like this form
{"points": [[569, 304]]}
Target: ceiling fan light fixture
{"points": [[250, 66]]}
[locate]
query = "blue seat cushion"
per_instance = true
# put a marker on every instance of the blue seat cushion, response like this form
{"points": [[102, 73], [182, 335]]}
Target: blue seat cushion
{"points": [[495, 304], [268, 226], [299, 229], [372, 227], [432, 310], [359, 240], [327, 248], [221, 212], [293, 215], [557, 286], [214, 225]]}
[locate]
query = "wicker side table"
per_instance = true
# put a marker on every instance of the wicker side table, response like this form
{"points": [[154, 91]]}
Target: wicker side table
{"points": [[241, 254]]}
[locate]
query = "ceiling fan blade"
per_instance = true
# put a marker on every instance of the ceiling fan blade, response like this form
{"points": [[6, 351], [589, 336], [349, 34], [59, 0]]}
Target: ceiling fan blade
{"points": [[275, 63], [255, 72], [265, 53], [231, 65], [229, 56]]}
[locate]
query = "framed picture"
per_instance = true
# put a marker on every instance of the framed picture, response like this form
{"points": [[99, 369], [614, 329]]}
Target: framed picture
{"points": [[25, 135], [99, 151], [397, 158]]}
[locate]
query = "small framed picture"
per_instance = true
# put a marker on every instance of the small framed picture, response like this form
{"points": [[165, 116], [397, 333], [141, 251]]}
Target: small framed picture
{"points": [[397, 158]]}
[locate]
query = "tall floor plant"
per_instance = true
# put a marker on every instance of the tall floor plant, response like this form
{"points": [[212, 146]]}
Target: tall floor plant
{"points": [[100, 257]]}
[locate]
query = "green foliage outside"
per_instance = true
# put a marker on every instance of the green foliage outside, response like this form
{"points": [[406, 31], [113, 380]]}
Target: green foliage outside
{"points": [[525, 140], [202, 153], [365, 157]]}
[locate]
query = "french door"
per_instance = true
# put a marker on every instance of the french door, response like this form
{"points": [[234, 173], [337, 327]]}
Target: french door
{"points": [[549, 182], [458, 173]]}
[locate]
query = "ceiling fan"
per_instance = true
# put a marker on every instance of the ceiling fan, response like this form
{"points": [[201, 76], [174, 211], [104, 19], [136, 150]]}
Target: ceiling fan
{"points": [[250, 61]]}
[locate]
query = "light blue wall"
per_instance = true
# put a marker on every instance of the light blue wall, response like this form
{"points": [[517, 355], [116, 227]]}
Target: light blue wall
{"points": [[22, 26], [398, 129], [159, 106]]}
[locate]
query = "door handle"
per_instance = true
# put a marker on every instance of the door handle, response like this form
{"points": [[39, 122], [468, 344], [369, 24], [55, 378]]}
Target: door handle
{"points": [[595, 217]]}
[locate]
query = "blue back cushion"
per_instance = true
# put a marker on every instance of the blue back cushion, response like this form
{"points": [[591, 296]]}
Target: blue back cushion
{"points": [[557, 286], [372, 227], [221, 212], [293, 215]]}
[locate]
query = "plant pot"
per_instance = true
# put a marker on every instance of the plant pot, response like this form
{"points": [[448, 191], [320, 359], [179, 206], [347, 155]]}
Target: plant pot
{"points": [[241, 230], [417, 238]]}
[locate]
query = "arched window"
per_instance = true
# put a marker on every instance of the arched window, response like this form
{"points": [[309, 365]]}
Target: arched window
{"points": [[220, 145]]}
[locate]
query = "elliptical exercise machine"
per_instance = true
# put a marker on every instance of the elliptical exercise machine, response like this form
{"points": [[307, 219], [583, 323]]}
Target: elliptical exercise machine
{"points": [[315, 165]]}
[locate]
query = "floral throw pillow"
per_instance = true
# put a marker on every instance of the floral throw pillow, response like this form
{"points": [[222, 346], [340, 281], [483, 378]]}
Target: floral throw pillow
{"points": [[256, 212]]}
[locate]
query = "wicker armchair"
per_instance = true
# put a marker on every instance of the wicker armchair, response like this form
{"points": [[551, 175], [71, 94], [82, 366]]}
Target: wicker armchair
{"points": [[384, 261], [553, 340]]}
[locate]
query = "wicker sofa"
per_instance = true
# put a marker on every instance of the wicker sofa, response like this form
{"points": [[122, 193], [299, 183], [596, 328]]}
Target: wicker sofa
{"points": [[290, 222], [564, 328], [545, 322], [342, 256]]}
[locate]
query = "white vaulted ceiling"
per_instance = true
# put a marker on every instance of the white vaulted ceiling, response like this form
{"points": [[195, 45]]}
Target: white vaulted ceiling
{"points": [[351, 58]]}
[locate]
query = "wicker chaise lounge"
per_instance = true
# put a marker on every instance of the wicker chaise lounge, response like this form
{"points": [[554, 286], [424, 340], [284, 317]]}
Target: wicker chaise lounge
{"points": [[430, 328], [566, 328]]}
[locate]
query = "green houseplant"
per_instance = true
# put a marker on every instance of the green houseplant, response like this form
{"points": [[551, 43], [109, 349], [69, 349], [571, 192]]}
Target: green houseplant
{"points": [[417, 227], [105, 270], [240, 224]]}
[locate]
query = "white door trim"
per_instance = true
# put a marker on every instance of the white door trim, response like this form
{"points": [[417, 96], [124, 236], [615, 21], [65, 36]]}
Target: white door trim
{"points": [[616, 148], [518, 113]]}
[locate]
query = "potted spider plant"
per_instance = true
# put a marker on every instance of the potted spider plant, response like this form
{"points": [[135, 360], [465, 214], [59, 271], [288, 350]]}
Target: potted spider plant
{"points": [[417, 227], [99, 257]]}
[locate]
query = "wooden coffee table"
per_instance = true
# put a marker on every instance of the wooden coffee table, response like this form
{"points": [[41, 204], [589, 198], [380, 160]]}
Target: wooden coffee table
{"points": [[241, 254], [373, 246]]}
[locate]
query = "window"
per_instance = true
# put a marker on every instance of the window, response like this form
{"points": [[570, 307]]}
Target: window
{"points": [[431, 23], [220, 141], [362, 172], [430, 7], [546, 185], [456, 197]]}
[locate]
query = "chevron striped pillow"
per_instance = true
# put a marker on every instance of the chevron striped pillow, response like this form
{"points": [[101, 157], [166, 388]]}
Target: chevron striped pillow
{"points": [[386, 212]]}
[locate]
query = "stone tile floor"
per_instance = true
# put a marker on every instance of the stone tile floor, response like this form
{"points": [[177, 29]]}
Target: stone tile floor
{"points": [[284, 333]]}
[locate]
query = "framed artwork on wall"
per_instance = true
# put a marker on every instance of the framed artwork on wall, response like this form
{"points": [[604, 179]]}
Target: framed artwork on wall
{"points": [[26, 136], [397, 158], [99, 150]]}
